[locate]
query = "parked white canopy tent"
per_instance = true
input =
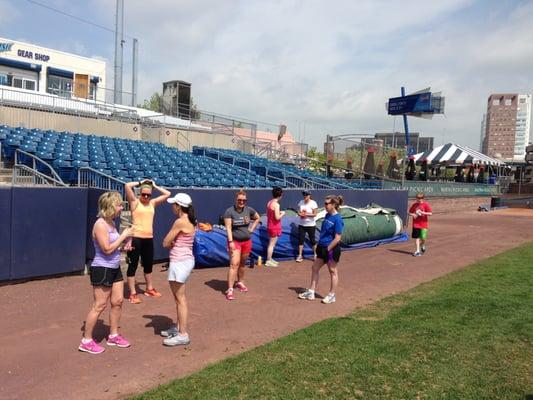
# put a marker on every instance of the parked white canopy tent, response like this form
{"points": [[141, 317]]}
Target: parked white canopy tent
{"points": [[455, 155]]}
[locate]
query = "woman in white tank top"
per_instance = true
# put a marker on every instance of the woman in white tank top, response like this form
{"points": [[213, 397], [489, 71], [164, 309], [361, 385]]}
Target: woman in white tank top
{"points": [[180, 240]]}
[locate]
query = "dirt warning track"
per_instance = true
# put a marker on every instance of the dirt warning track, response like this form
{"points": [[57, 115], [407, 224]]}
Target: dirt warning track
{"points": [[42, 321]]}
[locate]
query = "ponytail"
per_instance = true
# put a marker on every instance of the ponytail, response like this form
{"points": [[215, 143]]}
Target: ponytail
{"points": [[190, 214]]}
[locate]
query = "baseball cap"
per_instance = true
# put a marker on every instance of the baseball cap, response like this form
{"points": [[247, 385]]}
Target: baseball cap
{"points": [[182, 199], [306, 193]]}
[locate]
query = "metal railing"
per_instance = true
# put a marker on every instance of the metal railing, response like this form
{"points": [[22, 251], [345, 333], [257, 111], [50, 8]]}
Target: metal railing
{"points": [[26, 176], [91, 178], [27, 165], [290, 179]]}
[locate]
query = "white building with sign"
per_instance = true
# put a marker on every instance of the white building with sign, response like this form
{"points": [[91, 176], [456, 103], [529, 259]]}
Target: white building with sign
{"points": [[35, 68]]}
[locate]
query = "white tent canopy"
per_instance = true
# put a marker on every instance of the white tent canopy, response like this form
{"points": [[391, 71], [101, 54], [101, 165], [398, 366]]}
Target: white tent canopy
{"points": [[454, 154]]}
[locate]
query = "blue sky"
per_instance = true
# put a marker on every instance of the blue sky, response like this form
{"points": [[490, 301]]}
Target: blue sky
{"points": [[321, 67]]}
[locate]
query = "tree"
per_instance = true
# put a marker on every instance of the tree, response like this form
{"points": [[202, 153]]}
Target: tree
{"points": [[154, 104]]}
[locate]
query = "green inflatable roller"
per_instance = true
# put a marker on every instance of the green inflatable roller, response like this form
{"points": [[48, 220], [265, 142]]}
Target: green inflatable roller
{"points": [[366, 224]]}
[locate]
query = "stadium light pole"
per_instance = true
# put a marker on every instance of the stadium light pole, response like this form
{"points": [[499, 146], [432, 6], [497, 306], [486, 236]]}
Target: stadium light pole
{"points": [[134, 72], [119, 49]]}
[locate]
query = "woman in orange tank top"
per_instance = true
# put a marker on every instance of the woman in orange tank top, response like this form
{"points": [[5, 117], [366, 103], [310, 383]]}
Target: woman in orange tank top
{"points": [[142, 245]]}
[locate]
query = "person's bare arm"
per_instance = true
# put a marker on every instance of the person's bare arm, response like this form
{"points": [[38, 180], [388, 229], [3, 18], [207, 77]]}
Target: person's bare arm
{"points": [[130, 195], [102, 237], [256, 218], [335, 241], [165, 194], [172, 234], [277, 213], [227, 223]]}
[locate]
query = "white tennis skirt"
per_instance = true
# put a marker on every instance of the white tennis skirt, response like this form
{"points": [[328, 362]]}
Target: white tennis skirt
{"points": [[179, 271]]}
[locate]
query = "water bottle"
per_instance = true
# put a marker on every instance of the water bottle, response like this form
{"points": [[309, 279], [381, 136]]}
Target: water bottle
{"points": [[259, 261]]}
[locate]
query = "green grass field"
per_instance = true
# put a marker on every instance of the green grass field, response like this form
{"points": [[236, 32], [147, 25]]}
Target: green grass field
{"points": [[464, 336]]}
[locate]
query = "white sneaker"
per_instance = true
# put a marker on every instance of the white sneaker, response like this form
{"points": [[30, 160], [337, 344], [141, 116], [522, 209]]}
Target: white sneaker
{"points": [[330, 298], [177, 340], [307, 295], [299, 259], [271, 263], [172, 331]]}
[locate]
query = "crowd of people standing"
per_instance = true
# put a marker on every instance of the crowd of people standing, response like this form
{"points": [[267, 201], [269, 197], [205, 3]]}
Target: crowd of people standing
{"points": [[240, 221]]}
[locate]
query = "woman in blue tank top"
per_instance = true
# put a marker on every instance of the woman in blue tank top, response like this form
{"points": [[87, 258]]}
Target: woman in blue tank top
{"points": [[106, 276]]}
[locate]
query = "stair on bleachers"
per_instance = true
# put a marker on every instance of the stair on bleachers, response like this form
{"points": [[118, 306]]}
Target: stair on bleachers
{"points": [[6, 176]]}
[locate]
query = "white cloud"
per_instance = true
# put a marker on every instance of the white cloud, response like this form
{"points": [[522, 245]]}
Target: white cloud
{"points": [[330, 64]]}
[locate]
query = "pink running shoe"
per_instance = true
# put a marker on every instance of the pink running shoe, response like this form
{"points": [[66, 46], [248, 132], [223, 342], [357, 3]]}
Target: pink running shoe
{"points": [[229, 295], [91, 347], [241, 286], [118, 341]]}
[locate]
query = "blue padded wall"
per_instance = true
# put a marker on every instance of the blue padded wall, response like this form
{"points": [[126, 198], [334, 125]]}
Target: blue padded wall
{"points": [[210, 203], [48, 231], [5, 233]]}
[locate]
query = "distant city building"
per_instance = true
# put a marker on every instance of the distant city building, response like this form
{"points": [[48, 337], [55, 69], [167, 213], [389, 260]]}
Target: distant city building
{"points": [[507, 125], [397, 140]]}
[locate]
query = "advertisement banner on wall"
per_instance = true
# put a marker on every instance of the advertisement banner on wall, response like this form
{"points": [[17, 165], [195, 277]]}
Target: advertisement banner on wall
{"points": [[444, 189]]}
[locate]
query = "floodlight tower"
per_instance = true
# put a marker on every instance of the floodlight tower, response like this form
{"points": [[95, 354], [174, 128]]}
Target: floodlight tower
{"points": [[119, 50]]}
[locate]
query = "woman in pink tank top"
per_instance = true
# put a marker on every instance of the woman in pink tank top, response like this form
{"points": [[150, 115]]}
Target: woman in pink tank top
{"points": [[274, 216], [180, 241]]}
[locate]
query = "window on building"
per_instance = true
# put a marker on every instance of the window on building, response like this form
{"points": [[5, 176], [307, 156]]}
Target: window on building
{"points": [[92, 91], [60, 86], [17, 82], [522, 100], [496, 102], [508, 102], [29, 84]]}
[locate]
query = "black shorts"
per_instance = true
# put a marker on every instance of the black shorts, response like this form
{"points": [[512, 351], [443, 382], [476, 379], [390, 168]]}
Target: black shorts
{"points": [[310, 230], [322, 253], [103, 276]]}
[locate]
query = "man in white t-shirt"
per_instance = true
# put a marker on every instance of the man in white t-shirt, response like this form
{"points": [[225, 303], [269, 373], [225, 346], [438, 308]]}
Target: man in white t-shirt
{"points": [[307, 210]]}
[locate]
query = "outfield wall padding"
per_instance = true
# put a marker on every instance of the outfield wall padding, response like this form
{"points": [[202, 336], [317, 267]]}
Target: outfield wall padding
{"points": [[5, 233], [48, 231]]}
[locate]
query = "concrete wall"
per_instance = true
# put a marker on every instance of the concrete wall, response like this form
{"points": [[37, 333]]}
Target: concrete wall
{"points": [[184, 139], [181, 139], [12, 116]]}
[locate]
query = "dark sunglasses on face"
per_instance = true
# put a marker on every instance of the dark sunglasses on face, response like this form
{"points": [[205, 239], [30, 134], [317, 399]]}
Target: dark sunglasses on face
{"points": [[241, 200], [146, 195], [326, 203]]}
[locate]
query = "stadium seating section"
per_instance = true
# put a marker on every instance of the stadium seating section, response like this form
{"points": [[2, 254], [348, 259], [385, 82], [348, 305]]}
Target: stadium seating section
{"points": [[129, 160]]}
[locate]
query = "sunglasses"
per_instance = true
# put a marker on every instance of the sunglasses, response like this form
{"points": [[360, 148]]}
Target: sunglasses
{"points": [[327, 203], [146, 195], [241, 200]]}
